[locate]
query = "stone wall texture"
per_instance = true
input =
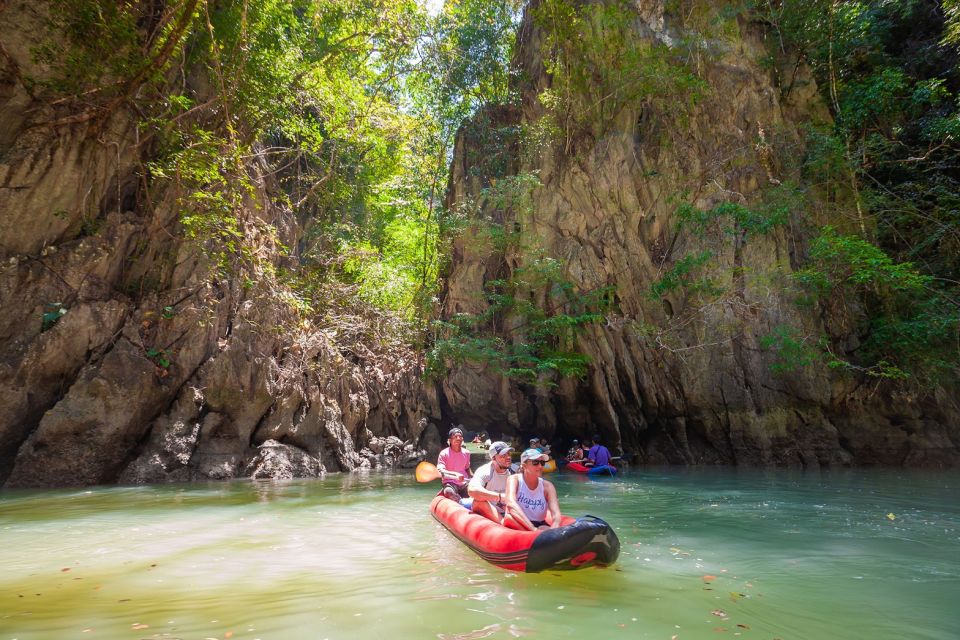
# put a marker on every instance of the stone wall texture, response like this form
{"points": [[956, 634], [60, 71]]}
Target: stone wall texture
{"points": [[679, 379], [152, 367]]}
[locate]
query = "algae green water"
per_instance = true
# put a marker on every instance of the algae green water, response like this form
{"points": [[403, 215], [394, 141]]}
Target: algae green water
{"points": [[705, 554]]}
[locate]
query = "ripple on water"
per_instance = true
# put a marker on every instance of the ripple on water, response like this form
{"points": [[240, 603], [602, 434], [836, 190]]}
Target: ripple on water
{"points": [[761, 554]]}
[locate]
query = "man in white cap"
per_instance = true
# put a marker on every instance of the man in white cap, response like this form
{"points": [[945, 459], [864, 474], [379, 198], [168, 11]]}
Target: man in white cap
{"points": [[490, 482], [454, 466]]}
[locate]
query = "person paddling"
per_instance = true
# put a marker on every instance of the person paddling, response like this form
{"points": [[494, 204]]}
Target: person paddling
{"points": [[599, 455], [576, 452], [454, 466], [531, 501]]}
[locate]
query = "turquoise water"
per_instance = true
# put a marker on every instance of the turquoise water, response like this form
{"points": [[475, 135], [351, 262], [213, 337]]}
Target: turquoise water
{"points": [[705, 554]]}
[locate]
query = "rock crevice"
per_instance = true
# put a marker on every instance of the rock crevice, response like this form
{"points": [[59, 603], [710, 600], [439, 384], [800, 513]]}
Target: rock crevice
{"points": [[678, 377]]}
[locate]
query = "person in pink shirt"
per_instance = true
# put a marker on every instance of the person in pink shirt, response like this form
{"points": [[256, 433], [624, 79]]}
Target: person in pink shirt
{"points": [[454, 466]]}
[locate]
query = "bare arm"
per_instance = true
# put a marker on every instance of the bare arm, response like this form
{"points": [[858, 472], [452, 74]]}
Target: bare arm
{"points": [[513, 507], [550, 493]]}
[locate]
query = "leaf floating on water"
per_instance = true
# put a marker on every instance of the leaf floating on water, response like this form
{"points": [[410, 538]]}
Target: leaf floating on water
{"points": [[709, 578], [228, 634], [734, 596], [719, 613], [138, 626], [891, 517], [65, 569], [744, 626]]}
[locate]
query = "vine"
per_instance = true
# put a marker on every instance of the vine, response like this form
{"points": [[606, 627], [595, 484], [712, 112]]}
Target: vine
{"points": [[520, 335], [598, 67]]}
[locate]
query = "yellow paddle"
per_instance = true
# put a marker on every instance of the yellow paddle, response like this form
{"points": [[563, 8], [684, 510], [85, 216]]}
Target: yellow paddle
{"points": [[427, 472]]}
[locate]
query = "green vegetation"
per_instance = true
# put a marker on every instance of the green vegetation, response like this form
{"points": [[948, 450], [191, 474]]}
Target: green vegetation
{"points": [[885, 171], [889, 165], [353, 105], [528, 329], [52, 313], [793, 351], [598, 67], [344, 117], [732, 219]]}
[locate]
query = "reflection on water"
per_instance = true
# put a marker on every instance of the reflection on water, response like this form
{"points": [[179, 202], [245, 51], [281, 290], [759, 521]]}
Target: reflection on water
{"points": [[762, 554]]}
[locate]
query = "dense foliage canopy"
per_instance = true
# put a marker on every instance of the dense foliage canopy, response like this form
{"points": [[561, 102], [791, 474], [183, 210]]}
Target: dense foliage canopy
{"points": [[355, 105]]}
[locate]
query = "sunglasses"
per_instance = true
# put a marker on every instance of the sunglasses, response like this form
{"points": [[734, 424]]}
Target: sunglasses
{"points": [[539, 463]]}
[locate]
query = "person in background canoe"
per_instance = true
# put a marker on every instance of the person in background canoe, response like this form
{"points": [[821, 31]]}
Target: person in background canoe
{"points": [[576, 452], [531, 501], [537, 443], [585, 446], [599, 455], [489, 484], [454, 466]]}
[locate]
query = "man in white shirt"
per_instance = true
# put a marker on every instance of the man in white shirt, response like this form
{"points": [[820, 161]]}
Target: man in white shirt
{"points": [[490, 481]]}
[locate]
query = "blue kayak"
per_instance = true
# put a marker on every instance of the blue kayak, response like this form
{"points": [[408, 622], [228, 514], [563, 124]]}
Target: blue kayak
{"points": [[603, 470]]}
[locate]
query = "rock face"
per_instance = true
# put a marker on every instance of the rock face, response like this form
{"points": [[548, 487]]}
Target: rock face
{"points": [[124, 357], [677, 378]]}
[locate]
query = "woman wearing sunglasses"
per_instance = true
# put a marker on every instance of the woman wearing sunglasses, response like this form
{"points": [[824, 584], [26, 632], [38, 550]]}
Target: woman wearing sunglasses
{"points": [[531, 501]]}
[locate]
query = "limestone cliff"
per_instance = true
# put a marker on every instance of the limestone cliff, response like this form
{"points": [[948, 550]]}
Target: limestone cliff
{"points": [[677, 378], [124, 355]]}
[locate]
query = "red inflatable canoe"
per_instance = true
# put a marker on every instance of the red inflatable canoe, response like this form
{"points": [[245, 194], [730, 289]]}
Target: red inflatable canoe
{"points": [[607, 469], [580, 542]]}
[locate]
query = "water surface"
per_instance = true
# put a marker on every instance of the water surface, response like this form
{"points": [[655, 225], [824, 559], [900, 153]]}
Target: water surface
{"points": [[705, 554]]}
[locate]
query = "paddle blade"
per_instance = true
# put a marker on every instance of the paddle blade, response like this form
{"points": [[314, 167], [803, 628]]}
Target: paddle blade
{"points": [[427, 472]]}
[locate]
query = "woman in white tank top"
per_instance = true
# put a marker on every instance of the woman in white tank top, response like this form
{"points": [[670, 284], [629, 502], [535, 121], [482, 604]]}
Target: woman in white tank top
{"points": [[531, 501]]}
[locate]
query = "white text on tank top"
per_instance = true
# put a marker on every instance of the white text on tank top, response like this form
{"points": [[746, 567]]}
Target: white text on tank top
{"points": [[532, 501]]}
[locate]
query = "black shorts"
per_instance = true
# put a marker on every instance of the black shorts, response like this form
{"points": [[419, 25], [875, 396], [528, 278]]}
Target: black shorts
{"points": [[460, 489], [538, 523]]}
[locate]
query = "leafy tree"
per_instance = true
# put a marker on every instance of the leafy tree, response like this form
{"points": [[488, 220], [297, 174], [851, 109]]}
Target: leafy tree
{"points": [[528, 330]]}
